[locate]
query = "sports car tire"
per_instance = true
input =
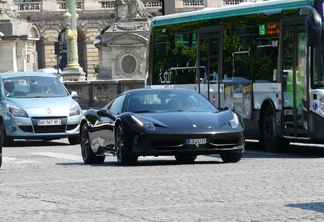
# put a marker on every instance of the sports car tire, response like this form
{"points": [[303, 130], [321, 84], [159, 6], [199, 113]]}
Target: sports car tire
{"points": [[87, 154], [231, 157], [122, 145], [185, 158]]}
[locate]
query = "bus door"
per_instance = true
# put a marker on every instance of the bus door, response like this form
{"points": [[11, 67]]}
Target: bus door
{"points": [[294, 82], [209, 60]]}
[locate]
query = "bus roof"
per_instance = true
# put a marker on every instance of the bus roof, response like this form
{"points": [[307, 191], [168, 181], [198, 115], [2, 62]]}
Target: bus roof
{"points": [[273, 6]]}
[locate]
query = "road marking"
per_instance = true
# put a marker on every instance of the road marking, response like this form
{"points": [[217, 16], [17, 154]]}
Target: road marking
{"points": [[18, 161], [59, 155]]}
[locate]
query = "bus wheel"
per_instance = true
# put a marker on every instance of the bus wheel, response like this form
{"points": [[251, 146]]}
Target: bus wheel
{"points": [[268, 132]]}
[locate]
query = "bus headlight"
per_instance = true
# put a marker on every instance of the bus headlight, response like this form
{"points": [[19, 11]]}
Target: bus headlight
{"points": [[321, 104], [321, 99], [321, 109]]}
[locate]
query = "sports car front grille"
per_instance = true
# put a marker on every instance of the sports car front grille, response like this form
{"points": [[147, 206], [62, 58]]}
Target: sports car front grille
{"points": [[166, 143], [215, 143], [223, 143]]}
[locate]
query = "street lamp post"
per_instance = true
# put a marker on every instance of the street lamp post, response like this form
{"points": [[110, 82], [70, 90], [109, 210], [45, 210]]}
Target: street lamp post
{"points": [[73, 70]]}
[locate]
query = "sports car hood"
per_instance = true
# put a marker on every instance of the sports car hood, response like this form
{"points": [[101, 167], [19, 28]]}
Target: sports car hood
{"points": [[56, 106], [188, 119]]}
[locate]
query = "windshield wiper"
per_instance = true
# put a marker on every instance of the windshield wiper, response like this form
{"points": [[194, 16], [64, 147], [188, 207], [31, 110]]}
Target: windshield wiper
{"points": [[143, 111]]}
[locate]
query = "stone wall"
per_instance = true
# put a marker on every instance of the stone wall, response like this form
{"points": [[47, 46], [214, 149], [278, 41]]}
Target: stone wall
{"points": [[96, 94]]}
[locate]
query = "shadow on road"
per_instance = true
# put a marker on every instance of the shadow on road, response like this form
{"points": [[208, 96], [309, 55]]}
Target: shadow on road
{"points": [[143, 162], [30, 143], [298, 150], [315, 206]]}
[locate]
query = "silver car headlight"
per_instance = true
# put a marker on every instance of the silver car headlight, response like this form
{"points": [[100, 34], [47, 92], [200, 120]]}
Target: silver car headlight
{"points": [[146, 125], [234, 123], [75, 110], [16, 111]]}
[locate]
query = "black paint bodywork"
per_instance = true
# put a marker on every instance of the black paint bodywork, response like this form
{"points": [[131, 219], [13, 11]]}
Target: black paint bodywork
{"points": [[172, 129]]}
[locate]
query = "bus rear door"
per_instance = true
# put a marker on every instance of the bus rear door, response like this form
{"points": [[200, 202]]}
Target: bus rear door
{"points": [[209, 60], [294, 79]]}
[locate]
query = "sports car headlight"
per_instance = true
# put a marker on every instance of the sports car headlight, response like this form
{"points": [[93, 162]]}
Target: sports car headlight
{"points": [[75, 110], [16, 111], [146, 125], [234, 123], [149, 126]]}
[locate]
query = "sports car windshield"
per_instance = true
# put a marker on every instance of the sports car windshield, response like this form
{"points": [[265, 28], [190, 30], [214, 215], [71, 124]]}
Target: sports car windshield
{"points": [[168, 100], [32, 87]]}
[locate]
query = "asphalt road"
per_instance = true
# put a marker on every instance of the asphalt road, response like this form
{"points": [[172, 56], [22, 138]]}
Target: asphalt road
{"points": [[49, 182]]}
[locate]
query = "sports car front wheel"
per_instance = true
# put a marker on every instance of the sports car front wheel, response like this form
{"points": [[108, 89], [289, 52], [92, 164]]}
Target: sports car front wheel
{"points": [[123, 145], [231, 157], [87, 154]]}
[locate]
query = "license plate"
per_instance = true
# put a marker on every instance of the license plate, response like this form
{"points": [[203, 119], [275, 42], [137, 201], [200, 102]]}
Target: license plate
{"points": [[196, 141], [49, 122]]}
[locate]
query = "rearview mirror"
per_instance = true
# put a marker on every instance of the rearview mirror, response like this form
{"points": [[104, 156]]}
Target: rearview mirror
{"points": [[313, 23]]}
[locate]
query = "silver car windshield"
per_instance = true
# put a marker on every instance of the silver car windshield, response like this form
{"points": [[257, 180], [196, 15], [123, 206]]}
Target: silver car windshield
{"points": [[33, 86]]}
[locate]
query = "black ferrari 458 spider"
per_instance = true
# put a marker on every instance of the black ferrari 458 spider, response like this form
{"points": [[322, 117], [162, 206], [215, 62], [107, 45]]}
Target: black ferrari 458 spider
{"points": [[156, 122]]}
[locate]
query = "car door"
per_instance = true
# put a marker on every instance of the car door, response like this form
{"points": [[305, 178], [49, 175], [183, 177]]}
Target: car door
{"points": [[106, 134]]}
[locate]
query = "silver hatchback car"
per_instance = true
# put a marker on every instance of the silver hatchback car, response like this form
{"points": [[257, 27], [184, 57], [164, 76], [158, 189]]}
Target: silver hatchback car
{"points": [[37, 105]]}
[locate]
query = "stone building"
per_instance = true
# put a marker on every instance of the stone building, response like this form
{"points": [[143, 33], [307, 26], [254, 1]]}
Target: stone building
{"points": [[95, 18], [123, 47], [17, 41]]}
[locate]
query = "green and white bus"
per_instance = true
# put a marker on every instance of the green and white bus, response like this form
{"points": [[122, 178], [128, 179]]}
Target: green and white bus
{"points": [[264, 59]]}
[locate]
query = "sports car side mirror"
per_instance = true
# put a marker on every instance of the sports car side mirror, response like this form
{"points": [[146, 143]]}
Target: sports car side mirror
{"points": [[229, 108], [105, 113]]}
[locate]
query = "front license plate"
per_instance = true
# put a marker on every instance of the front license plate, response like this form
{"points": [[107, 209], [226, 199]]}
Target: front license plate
{"points": [[49, 122], [197, 141]]}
